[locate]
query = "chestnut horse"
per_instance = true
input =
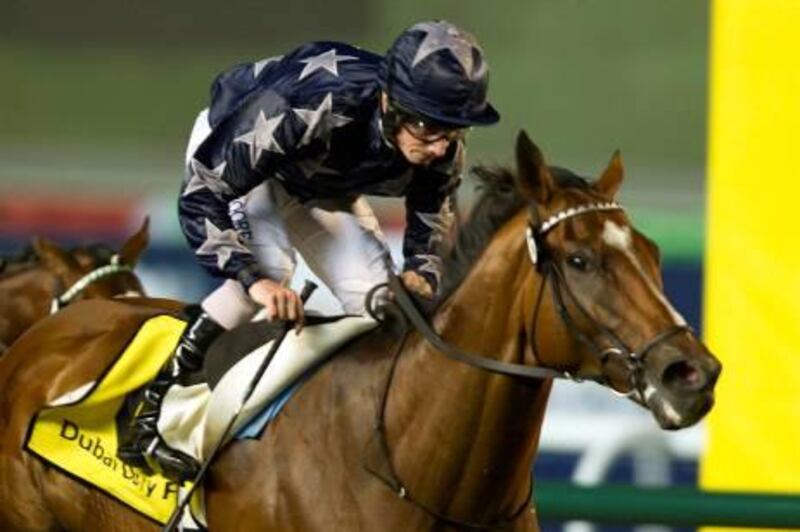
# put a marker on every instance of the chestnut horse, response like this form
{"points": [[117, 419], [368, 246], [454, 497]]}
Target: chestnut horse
{"points": [[391, 435], [45, 275]]}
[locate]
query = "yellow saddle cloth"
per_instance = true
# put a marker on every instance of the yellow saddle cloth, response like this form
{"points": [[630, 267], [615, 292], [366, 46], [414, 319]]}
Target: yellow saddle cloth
{"points": [[77, 432]]}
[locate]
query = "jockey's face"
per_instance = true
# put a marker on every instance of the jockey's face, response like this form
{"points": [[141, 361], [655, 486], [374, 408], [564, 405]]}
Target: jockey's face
{"points": [[421, 141], [419, 151]]}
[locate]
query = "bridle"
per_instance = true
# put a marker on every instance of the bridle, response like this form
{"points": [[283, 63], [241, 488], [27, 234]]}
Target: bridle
{"points": [[114, 267], [553, 274], [634, 359]]}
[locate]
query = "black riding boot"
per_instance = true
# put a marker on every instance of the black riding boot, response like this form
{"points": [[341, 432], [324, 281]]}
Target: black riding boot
{"points": [[142, 446]]}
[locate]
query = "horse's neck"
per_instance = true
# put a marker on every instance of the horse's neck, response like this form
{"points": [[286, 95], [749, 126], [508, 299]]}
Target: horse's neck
{"points": [[31, 280], [464, 439], [25, 297]]}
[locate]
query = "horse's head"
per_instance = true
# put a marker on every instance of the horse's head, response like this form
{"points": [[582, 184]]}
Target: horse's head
{"points": [[95, 271], [605, 280]]}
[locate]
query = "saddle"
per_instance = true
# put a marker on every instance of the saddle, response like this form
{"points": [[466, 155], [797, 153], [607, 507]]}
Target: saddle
{"points": [[194, 415]]}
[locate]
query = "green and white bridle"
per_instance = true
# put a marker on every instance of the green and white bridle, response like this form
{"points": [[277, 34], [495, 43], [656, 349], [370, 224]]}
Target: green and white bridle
{"points": [[114, 267]]}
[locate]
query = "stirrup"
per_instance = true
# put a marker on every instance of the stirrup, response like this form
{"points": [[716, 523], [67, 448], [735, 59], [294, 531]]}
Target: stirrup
{"points": [[170, 463], [154, 456]]}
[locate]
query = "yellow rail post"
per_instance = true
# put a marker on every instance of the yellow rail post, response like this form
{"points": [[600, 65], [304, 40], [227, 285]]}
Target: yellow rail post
{"points": [[752, 276]]}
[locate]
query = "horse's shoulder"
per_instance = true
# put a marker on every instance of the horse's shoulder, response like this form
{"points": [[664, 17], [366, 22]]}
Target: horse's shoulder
{"points": [[124, 309], [89, 321], [358, 370], [153, 302], [75, 345]]}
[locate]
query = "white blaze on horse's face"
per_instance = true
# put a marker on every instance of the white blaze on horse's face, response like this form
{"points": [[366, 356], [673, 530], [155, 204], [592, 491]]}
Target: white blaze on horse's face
{"points": [[619, 237]]}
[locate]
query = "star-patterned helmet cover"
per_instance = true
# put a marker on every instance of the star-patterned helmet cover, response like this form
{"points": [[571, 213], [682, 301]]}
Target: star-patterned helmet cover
{"points": [[438, 70]]}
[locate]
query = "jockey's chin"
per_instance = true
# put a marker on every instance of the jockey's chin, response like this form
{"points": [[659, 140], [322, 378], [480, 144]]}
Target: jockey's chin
{"points": [[418, 152], [420, 159]]}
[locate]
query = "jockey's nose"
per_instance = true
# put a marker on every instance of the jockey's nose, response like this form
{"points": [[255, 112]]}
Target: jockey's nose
{"points": [[439, 147]]}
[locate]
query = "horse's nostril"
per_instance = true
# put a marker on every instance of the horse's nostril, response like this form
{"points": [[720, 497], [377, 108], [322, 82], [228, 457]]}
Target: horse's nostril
{"points": [[683, 375]]}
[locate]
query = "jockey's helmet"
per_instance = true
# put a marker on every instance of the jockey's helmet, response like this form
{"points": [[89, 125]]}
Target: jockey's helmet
{"points": [[437, 70]]}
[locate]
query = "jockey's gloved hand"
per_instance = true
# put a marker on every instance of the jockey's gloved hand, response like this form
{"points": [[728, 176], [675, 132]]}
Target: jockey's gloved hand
{"points": [[281, 302], [417, 283]]}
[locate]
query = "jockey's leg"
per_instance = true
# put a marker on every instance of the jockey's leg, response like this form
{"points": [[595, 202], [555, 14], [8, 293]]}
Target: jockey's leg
{"points": [[257, 218], [142, 445], [342, 243]]}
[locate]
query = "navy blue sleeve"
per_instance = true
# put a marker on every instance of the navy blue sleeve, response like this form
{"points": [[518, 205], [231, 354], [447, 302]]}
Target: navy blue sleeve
{"points": [[241, 152], [430, 215]]}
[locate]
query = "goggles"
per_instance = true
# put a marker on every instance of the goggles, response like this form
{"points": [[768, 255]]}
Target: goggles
{"points": [[427, 130], [430, 132]]}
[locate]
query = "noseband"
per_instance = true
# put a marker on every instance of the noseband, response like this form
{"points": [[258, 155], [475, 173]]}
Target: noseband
{"points": [[114, 267]]}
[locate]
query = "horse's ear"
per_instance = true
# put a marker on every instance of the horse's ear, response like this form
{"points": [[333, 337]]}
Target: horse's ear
{"points": [[608, 184], [56, 259], [132, 249], [533, 175]]}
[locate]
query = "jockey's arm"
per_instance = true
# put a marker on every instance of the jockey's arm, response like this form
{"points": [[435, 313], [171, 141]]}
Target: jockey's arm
{"points": [[429, 220], [235, 161]]}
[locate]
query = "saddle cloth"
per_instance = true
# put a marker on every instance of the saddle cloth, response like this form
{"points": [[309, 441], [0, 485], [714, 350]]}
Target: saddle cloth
{"points": [[77, 432]]}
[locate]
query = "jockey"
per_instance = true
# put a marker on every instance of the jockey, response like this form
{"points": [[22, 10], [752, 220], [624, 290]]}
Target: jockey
{"points": [[279, 164]]}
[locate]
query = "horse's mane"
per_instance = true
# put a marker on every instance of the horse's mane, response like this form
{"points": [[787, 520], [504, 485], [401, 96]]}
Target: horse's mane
{"points": [[101, 253], [499, 201], [27, 257], [24, 257]]}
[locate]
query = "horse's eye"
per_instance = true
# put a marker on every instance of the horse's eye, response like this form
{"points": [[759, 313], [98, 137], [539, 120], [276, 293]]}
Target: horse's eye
{"points": [[578, 261]]}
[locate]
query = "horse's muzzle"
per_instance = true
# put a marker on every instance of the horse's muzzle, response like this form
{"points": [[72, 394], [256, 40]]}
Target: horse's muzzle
{"points": [[680, 382]]}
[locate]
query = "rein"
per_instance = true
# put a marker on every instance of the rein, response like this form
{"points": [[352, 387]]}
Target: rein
{"points": [[73, 292], [634, 359]]}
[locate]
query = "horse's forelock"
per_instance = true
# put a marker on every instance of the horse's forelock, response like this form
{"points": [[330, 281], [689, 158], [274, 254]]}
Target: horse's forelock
{"points": [[99, 253]]}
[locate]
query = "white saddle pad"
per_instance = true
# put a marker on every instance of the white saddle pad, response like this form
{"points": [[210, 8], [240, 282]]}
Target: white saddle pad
{"points": [[193, 417]]}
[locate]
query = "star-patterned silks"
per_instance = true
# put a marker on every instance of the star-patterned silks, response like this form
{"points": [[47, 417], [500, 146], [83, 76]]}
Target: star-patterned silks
{"points": [[431, 264], [327, 60], [262, 137], [440, 222], [211, 179], [258, 66], [445, 36], [320, 121], [221, 243], [312, 167], [246, 130]]}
